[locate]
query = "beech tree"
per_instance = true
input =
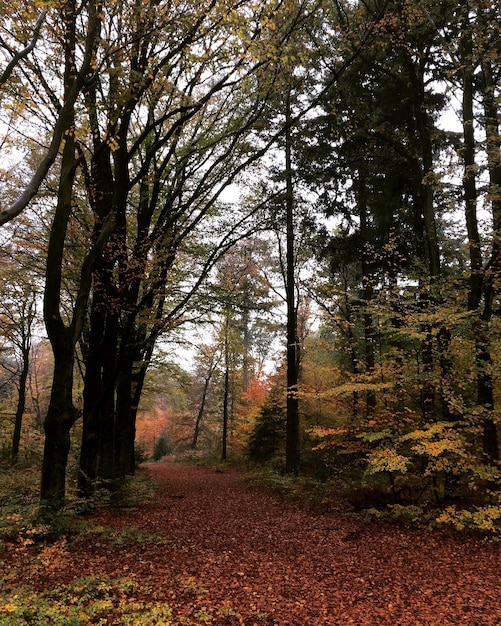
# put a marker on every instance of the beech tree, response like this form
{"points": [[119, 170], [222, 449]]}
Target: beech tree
{"points": [[64, 332], [153, 136]]}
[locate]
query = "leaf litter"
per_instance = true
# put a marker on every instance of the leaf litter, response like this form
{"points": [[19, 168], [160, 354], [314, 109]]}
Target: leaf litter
{"points": [[227, 553]]}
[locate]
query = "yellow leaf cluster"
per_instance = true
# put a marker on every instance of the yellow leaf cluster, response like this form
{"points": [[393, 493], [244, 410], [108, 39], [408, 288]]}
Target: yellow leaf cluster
{"points": [[387, 460]]}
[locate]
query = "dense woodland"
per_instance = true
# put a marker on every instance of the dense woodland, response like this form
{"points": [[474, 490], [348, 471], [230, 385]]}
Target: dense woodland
{"points": [[257, 229]]}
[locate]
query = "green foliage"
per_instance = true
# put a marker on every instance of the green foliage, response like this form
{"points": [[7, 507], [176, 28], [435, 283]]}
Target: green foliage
{"points": [[131, 536], [268, 435], [412, 474], [387, 460], [162, 447], [191, 586], [133, 491], [83, 602], [140, 455], [18, 501], [20, 517], [409, 514]]}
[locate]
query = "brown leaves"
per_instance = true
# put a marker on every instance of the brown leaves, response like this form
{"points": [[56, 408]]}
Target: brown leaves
{"points": [[235, 555]]}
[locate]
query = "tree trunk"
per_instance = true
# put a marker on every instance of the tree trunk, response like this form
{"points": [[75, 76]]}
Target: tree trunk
{"points": [[292, 452], [367, 294], [201, 409], [21, 404], [92, 392], [479, 282], [61, 413], [425, 200], [224, 446], [96, 453], [61, 416], [129, 384], [493, 274]]}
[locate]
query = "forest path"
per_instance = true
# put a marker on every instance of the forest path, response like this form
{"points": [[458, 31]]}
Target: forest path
{"points": [[223, 552]]}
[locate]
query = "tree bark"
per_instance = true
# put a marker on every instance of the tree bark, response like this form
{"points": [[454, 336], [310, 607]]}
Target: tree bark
{"points": [[292, 451], [96, 450], [491, 279], [61, 413], [21, 402], [61, 416], [480, 281], [367, 293], [203, 400]]}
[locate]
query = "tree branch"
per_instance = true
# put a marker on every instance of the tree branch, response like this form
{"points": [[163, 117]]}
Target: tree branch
{"points": [[19, 56]]}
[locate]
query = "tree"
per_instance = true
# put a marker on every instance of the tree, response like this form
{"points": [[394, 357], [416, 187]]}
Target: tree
{"points": [[18, 317], [488, 19], [22, 329], [192, 142], [293, 348], [267, 438], [469, 34], [161, 447], [395, 199], [386, 198], [61, 413], [211, 365]]}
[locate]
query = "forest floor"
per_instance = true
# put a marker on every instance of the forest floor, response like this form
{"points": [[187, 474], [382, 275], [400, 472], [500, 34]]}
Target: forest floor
{"points": [[219, 551]]}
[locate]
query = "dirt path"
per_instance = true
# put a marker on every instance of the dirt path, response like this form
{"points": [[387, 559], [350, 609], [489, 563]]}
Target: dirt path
{"points": [[227, 545]]}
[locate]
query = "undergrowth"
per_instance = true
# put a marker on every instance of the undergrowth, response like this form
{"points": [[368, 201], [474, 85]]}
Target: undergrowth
{"points": [[19, 509], [373, 500], [85, 601]]}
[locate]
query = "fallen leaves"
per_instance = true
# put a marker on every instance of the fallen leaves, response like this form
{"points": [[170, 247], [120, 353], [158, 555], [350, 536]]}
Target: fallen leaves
{"points": [[229, 554]]}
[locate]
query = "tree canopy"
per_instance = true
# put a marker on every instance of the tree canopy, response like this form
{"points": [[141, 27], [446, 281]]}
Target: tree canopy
{"points": [[310, 191]]}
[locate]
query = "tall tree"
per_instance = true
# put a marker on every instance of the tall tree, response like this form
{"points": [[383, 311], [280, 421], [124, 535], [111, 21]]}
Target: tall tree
{"points": [[192, 141], [292, 445], [61, 413], [488, 20], [381, 181], [479, 29]]}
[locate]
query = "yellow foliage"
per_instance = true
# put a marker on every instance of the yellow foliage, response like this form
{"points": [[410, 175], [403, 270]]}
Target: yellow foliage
{"points": [[486, 518], [387, 460]]}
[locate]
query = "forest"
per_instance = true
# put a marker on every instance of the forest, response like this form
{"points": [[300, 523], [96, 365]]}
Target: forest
{"points": [[265, 232]]}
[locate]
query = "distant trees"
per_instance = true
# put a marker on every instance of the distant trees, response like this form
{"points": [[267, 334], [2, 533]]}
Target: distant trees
{"points": [[19, 318], [189, 140]]}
